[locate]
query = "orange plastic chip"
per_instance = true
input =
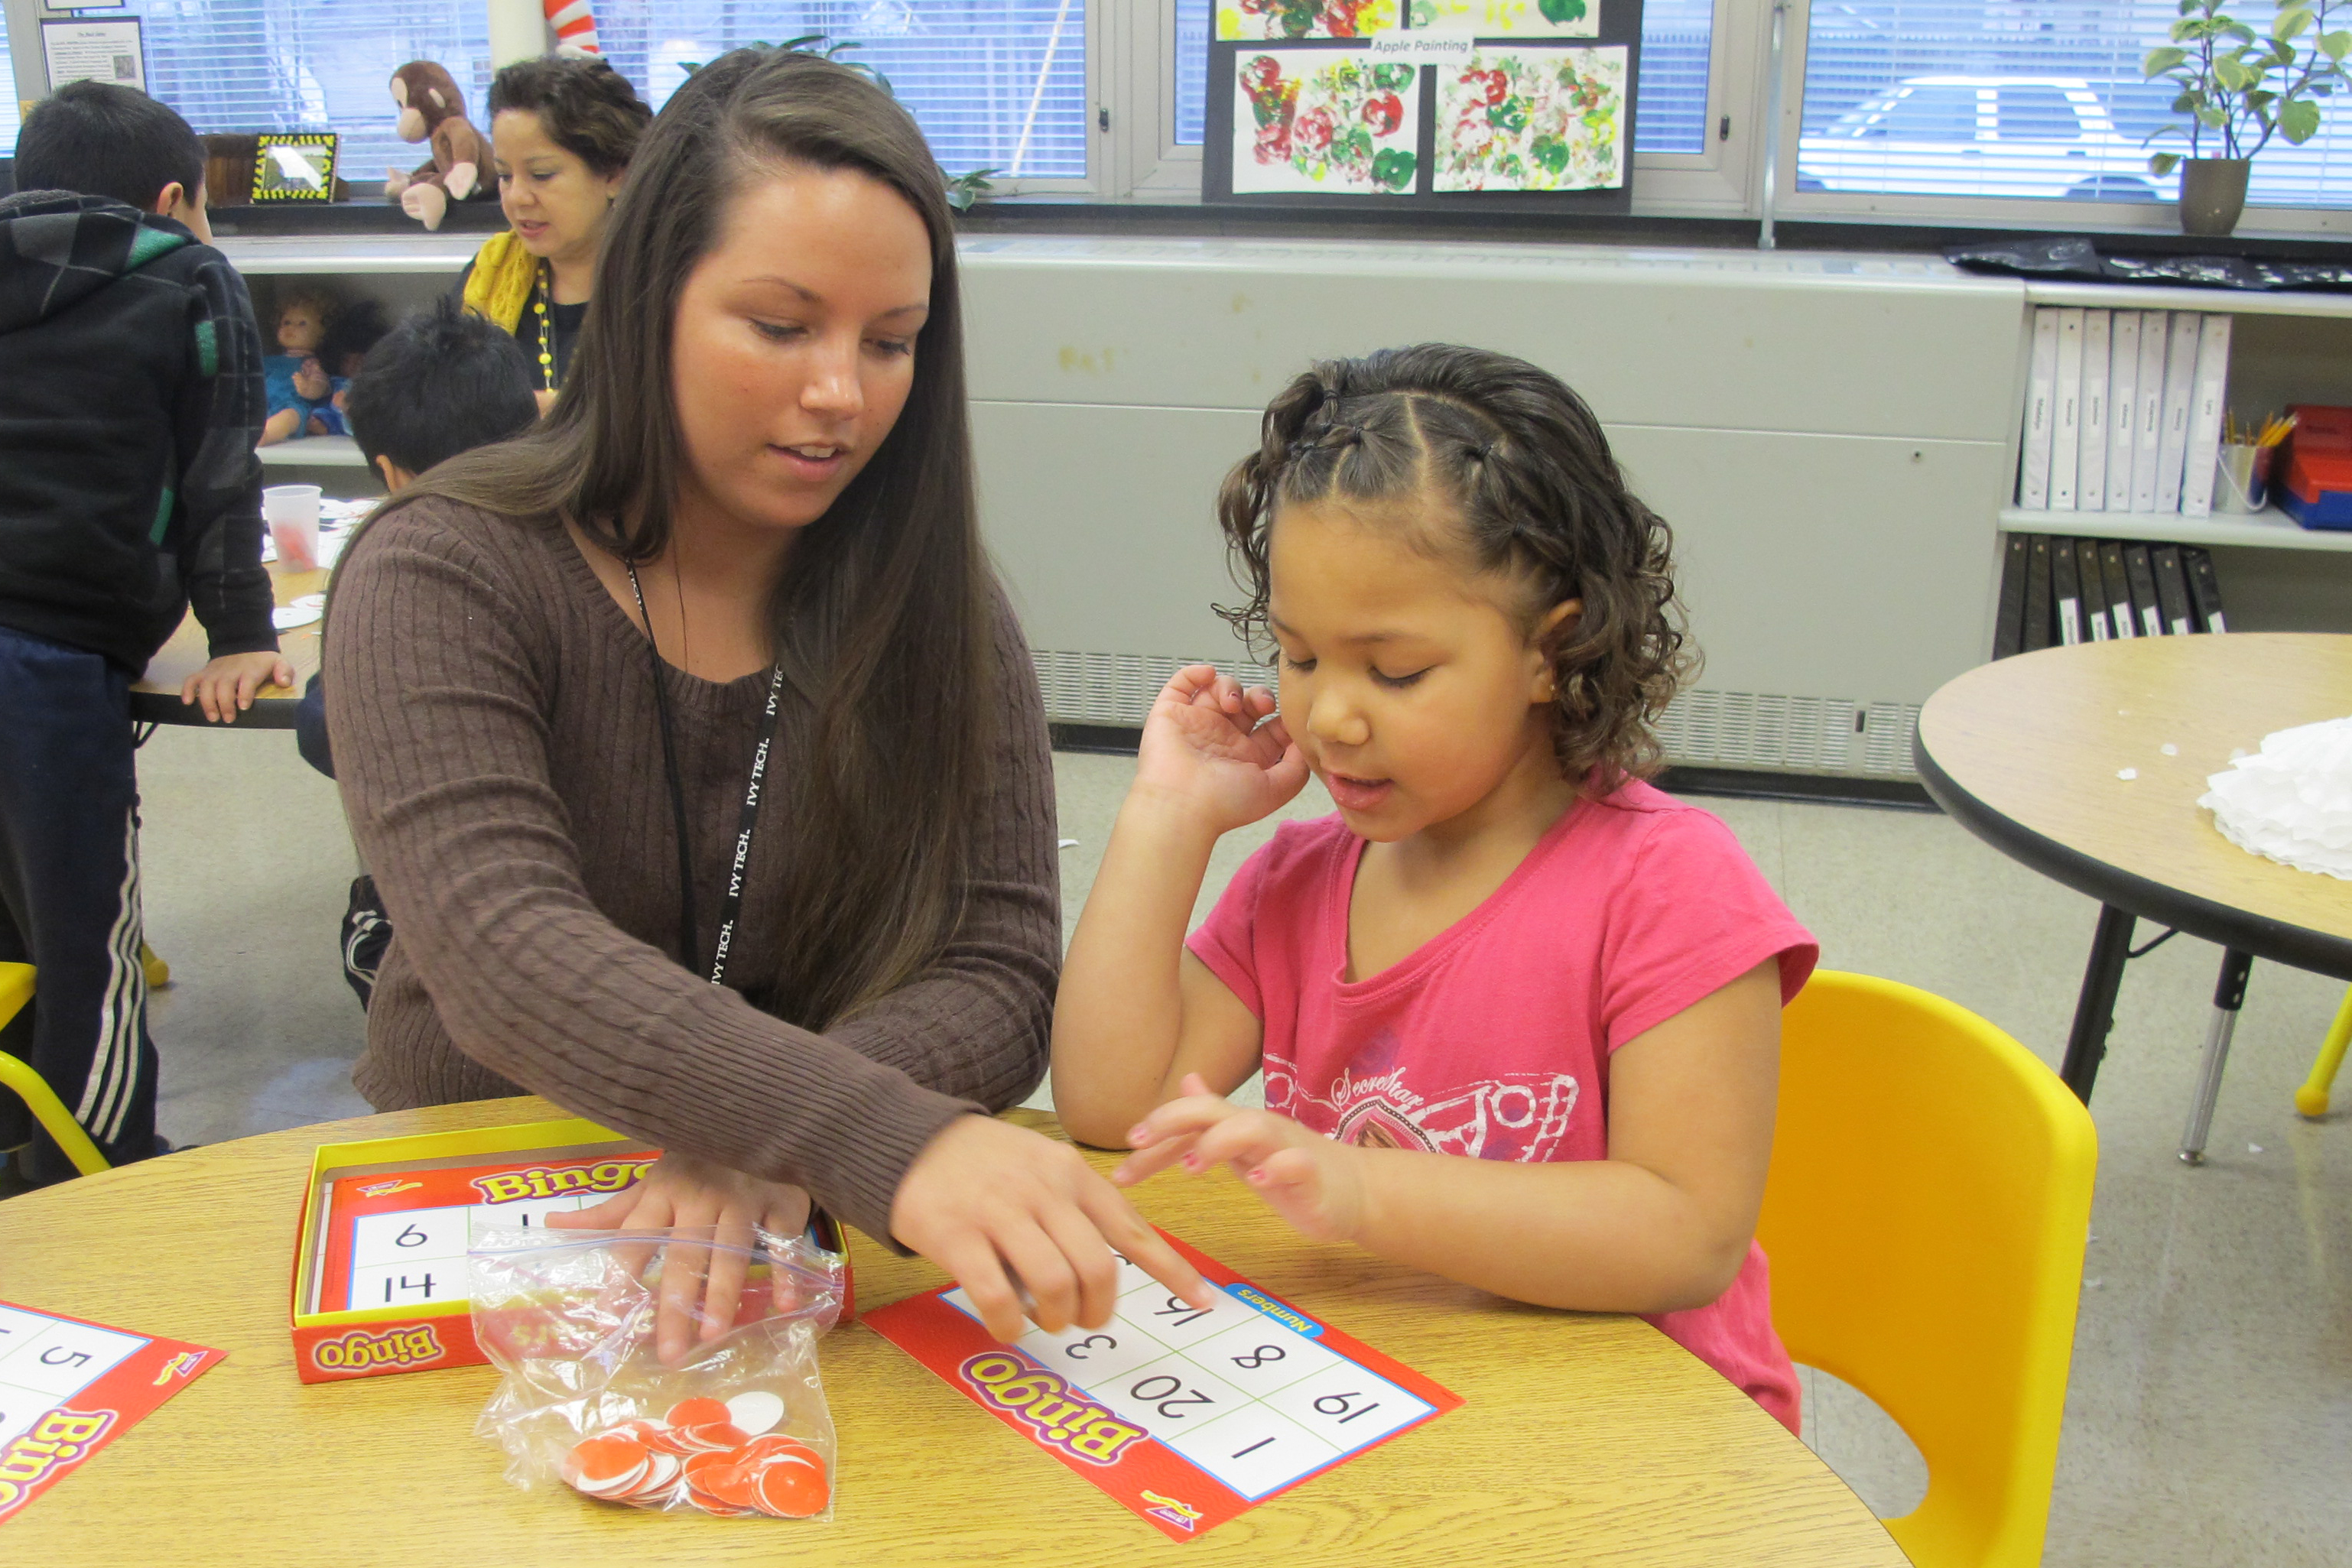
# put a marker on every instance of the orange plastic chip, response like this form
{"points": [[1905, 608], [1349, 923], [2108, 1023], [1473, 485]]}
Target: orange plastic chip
{"points": [[606, 1465], [791, 1487]]}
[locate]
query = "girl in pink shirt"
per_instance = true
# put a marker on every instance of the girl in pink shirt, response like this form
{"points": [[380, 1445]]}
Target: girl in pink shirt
{"points": [[1518, 1011]]}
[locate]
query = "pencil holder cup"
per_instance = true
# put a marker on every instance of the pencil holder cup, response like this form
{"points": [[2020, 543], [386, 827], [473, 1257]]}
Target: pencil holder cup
{"points": [[2241, 478]]}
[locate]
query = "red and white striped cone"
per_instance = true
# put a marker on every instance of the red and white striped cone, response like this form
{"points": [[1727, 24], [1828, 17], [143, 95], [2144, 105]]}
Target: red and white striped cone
{"points": [[575, 26]]}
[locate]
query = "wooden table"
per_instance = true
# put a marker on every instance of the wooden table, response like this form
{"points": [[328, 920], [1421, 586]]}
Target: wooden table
{"points": [[155, 698], [2026, 752], [1584, 1438]]}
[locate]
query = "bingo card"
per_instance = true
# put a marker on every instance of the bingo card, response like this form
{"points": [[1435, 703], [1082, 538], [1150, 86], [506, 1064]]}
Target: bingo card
{"points": [[399, 1239], [68, 1388], [1187, 1415]]}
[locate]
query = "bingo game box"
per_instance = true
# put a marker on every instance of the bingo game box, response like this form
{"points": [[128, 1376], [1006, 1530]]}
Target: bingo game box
{"points": [[380, 1274]]}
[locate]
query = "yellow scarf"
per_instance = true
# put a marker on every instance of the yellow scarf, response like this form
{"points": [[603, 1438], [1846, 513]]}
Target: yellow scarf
{"points": [[499, 284]]}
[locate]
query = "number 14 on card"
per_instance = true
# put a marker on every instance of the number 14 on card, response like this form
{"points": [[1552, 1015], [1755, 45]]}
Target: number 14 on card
{"points": [[1188, 1415]]}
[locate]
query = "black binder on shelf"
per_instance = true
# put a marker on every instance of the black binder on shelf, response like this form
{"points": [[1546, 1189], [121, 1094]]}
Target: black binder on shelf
{"points": [[2172, 591], [2039, 613], [2147, 614], [2009, 624], [2204, 587], [2066, 593], [2095, 588], [2120, 619]]}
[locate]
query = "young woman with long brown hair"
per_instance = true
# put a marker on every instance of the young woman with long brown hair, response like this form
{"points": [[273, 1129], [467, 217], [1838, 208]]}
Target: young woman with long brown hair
{"points": [[746, 532]]}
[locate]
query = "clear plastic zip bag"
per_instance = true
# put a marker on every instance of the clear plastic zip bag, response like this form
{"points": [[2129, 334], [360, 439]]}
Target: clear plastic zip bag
{"points": [[738, 1427]]}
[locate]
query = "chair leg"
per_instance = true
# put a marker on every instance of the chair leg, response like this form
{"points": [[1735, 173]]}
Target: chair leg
{"points": [[2311, 1098], [2229, 996], [53, 1116]]}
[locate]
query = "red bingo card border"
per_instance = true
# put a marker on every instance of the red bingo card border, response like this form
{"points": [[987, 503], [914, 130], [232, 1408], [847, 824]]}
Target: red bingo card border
{"points": [[1151, 1478], [62, 1440]]}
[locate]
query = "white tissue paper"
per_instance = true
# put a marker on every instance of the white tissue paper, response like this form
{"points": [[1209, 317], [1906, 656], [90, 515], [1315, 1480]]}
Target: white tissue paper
{"points": [[2291, 802]]}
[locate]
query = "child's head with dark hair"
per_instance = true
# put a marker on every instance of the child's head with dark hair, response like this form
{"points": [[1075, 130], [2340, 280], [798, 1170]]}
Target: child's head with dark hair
{"points": [[441, 382], [351, 330], [100, 140], [1495, 472]]}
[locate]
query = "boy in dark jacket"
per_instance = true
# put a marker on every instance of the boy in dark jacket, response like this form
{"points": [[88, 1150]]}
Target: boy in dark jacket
{"points": [[130, 401]]}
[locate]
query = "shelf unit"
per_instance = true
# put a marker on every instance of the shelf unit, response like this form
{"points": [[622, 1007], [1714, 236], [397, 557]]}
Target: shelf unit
{"points": [[313, 451], [2269, 528]]}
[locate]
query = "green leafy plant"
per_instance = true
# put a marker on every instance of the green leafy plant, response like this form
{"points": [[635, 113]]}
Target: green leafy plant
{"points": [[2243, 86], [964, 190], [815, 44]]}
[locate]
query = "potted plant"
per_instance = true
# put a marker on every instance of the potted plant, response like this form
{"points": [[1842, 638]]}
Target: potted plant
{"points": [[2238, 89]]}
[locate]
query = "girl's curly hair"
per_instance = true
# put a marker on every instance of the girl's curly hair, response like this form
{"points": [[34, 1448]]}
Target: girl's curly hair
{"points": [[1523, 465]]}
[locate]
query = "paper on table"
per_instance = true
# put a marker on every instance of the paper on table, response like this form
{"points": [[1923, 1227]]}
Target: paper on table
{"points": [[2292, 800]]}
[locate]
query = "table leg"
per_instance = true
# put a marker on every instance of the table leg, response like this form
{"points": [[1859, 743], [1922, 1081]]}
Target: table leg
{"points": [[2095, 1011], [2229, 996]]}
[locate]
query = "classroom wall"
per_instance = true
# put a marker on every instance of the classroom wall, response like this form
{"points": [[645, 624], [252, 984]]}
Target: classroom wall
{"points": [[1829, 437]]}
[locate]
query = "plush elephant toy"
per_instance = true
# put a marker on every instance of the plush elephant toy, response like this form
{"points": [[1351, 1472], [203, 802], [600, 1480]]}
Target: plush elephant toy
{"points": [[433, 110]]}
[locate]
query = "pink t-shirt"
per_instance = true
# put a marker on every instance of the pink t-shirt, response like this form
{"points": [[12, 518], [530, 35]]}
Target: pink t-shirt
{"points": [[1493, 1040]]}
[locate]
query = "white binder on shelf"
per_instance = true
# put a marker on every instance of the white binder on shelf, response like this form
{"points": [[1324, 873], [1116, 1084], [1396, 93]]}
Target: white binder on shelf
{"points": [[2179, 397], [2210, 397], [2067, 411], [2123, 407], [2033, 451], [2090, 468], [2148, 436]]}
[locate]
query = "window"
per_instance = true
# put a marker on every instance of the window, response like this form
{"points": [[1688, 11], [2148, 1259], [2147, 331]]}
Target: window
{"points": [[310, 64], [1670, 103], [995, 84], [8, 83], [1670, 99], [2018, 98]]}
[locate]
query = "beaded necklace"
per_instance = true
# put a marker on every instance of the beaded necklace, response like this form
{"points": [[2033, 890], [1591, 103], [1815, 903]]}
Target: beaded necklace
{"points": [[539, 297]]}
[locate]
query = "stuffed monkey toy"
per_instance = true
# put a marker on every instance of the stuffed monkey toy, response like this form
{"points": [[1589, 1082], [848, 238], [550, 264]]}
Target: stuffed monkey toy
{"points": [[433, 110]]}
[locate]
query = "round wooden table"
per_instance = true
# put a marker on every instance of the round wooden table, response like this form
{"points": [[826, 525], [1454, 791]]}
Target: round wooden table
{"points": [[2026, 752], [1582, 1438]]}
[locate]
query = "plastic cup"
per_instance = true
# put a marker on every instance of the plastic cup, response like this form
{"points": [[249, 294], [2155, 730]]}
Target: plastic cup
{"points": [[292, 513], [2240, 479]]}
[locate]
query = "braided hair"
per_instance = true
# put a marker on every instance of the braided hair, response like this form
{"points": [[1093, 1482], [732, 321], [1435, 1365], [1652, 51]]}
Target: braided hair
{"points": [[1535, 496]]}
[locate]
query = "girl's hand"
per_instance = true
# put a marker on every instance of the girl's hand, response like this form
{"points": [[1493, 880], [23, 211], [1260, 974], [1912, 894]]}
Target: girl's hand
{"points": [[1010, 1212], [1314, 1183], [707, 1201], [1219, 749]]}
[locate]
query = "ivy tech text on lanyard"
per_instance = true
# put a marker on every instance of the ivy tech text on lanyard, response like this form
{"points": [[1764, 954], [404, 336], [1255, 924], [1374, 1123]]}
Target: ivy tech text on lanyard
{"points": [[731, 907]]}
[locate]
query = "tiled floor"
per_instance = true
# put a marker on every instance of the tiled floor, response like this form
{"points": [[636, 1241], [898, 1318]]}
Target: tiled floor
{"points": [[2210, 1414]]}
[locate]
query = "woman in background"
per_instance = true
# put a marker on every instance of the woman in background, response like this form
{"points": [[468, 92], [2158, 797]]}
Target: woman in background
{"points": [[562, 131]]}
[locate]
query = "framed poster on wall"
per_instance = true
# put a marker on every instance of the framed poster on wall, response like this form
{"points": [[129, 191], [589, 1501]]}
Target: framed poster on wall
{"points": [[1484, 104]]}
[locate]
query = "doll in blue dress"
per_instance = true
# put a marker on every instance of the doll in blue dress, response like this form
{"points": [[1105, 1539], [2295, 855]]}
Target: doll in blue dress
{"points": [[296, 385]]}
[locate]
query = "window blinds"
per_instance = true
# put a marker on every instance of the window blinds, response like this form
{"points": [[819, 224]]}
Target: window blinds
{"points": [[310, 64], [2019, 98], [995, 84]]}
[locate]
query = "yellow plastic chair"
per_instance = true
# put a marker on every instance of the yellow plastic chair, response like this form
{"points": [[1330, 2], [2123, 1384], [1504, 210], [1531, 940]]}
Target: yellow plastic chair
{"points": [[1926, 1215], [2311, 1098], [15, 991]]}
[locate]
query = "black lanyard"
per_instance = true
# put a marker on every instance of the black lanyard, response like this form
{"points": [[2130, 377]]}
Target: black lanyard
{"points": [[731, 907]]}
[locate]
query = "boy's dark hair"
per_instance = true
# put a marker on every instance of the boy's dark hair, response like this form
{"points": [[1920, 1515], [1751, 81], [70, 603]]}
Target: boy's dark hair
{"points": [[96, 139], [441, 382], [352, 329], [586, 107], [1537, 498]]}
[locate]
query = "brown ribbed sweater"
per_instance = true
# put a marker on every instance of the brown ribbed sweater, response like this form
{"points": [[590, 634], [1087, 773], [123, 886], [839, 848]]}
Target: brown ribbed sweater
{"points": [[499, 755]]}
